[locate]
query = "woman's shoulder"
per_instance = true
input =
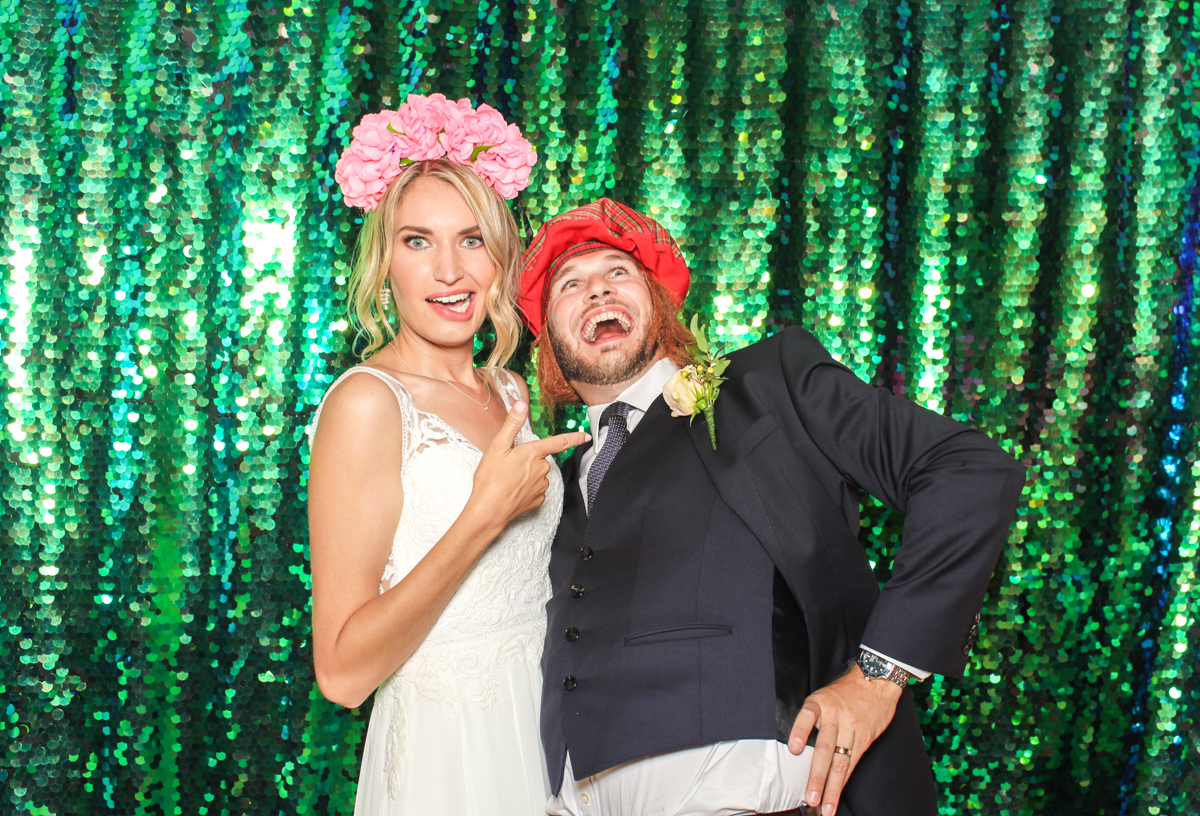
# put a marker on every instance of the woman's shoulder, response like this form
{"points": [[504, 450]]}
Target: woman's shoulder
{"points": [[363, 398], [379, 390]]}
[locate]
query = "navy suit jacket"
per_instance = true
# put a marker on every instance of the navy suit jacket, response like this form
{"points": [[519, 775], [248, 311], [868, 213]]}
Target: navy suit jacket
{"points": [[660, 625]]}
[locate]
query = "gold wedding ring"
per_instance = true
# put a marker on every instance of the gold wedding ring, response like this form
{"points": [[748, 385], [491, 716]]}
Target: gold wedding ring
{"points": [[840, 750]]}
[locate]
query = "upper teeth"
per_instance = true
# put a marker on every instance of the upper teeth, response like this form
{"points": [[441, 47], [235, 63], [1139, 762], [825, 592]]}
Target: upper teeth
{"points": [[589, 329], [452, 298]]}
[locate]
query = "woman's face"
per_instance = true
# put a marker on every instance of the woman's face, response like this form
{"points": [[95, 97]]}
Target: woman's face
{"points": [[441, 271]]}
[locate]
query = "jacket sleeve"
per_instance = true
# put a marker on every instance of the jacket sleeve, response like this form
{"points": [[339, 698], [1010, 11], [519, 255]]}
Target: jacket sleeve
{"points": [[957, 488]]}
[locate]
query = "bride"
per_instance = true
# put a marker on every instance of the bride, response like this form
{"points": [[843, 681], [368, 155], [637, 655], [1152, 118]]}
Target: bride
{"points": [[432, 505]]}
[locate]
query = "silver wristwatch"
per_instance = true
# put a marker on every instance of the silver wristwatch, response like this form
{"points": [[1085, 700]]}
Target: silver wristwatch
{"points": [[877, 668]]}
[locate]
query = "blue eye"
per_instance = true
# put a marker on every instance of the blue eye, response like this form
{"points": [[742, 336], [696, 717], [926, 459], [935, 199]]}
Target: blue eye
{"points": [[473, 241], [413, 240]]}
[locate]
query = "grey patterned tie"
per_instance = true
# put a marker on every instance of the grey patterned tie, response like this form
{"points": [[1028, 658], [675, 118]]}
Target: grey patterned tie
{"points": [[613, 416]]}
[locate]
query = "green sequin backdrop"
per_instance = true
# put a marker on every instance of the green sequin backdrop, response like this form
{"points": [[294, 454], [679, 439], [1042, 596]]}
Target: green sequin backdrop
{"points": [[987, 207]]}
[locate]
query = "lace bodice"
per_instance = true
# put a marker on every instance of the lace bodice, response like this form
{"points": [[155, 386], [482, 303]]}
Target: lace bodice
{"points": [[498, 613]]}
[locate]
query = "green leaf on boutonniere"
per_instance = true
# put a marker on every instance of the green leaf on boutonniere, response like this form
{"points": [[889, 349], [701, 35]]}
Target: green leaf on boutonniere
{"points": [[698, 333]]}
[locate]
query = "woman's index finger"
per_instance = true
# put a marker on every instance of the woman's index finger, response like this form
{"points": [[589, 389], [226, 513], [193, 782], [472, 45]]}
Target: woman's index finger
{"points": [[559, 443]]}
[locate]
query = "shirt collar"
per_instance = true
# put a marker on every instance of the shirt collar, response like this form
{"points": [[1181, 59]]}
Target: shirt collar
{"points": [[641, 395]]}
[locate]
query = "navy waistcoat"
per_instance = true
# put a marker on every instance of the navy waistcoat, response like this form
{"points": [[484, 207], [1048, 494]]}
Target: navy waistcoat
{"points": [[660, 626]]}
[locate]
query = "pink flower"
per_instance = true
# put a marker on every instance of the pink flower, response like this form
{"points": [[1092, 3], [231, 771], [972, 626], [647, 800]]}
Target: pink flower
{"points": [[484, 127], [360, 184], [437, 110], [363, 179], [490, 127], [506, 166], [420, 121], [453, 111], [422, 147], [375, 135]]}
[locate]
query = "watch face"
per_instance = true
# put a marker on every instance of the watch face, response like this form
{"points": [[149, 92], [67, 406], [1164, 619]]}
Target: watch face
{"points": [[873, 665]]}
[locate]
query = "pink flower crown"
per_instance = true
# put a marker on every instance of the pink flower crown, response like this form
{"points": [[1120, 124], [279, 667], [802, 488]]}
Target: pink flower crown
{"points": [[432, 127]]}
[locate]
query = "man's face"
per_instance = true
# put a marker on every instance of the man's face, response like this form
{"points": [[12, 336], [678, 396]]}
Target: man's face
{"points": [[599, 313]]}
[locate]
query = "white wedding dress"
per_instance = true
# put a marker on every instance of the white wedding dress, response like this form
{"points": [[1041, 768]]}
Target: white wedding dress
{"points": [[454, 731]]}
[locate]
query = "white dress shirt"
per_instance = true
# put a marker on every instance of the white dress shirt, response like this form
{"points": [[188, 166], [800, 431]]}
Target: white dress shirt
{"points": [[723, 779]]}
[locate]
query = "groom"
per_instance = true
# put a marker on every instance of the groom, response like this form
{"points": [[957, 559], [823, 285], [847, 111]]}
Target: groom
{"points": [[717, 641]]}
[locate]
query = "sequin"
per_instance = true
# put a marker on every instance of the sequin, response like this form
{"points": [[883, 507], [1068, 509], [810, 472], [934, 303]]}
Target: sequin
{"points": [[987, 209]]}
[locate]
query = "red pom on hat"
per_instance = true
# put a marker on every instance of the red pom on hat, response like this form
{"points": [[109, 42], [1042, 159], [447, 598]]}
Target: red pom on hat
{"points": [[602, 224]]}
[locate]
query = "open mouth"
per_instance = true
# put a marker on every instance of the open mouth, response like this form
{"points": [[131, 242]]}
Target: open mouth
{"points": [[459, 303], [606, 326]]}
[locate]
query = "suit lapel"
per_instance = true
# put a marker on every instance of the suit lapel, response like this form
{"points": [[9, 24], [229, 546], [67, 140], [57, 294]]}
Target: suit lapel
{"points": [[726, 467], [742, 423]]}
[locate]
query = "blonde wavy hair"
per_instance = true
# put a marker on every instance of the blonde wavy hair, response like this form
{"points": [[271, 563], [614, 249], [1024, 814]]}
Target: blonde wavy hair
{"points": [[373, 258]]}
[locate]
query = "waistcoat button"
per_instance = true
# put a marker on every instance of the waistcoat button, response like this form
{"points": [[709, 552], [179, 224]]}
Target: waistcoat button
{"points": [[569, 682], [576, 590], [586, 553], [572, 634]]}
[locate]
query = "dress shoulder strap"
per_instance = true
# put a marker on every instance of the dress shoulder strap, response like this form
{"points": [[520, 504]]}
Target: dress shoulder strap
{"points": [[506, 383], [407, 408]]}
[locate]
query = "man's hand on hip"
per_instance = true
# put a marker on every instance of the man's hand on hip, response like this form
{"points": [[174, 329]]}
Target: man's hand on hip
{"points": [[850, 713]]}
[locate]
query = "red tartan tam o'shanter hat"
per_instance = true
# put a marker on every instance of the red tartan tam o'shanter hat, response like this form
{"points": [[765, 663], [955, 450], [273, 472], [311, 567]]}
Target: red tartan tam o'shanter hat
{"points": [[603, 224]]}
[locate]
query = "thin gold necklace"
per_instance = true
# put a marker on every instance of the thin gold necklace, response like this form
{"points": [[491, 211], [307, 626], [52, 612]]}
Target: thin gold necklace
{"points": [[483, 405]]}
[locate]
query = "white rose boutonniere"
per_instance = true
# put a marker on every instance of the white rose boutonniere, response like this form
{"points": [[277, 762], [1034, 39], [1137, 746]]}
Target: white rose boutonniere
{"points": [[694, 388]]}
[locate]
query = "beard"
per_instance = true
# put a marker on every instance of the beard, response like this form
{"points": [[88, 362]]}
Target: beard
{"points": [[613, 368]]}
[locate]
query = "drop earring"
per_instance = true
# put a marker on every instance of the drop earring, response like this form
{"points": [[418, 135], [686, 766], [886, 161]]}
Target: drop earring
{"points": [[385, 296]]}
